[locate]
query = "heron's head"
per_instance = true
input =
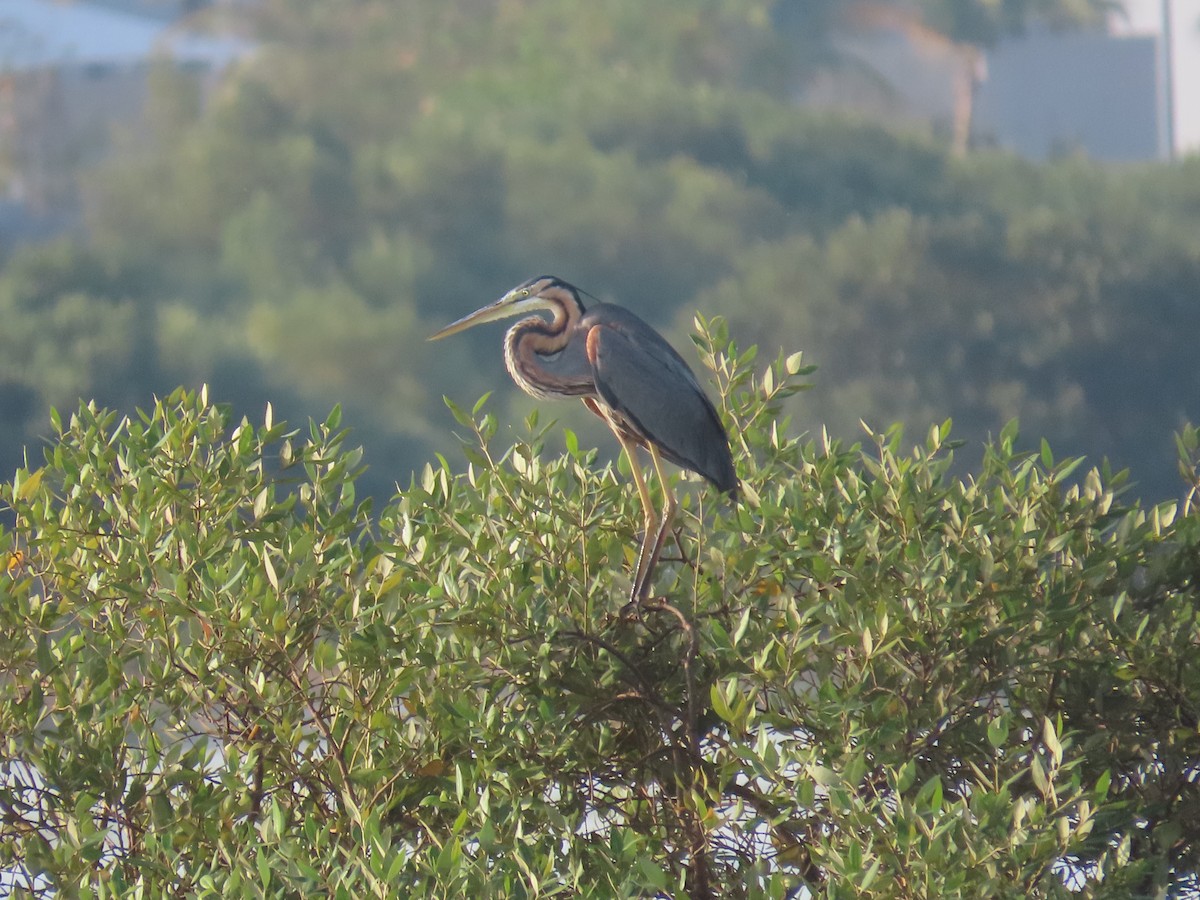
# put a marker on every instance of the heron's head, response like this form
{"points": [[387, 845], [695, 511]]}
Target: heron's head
{"points": [[545, 292]]}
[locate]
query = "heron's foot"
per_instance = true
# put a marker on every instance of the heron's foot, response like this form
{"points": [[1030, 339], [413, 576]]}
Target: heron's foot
{"points": [[632, 611]]}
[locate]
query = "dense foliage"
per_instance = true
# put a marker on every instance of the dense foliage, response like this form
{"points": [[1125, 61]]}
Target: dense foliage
{"points": [[379, 168], [222, 673]]}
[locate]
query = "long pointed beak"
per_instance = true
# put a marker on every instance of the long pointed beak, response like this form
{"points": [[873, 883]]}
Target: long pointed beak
{"points": [[501, 309]]}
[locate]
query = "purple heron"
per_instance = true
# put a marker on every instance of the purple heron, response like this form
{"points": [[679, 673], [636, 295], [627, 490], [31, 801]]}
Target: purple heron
{"points": [[625, 372]]}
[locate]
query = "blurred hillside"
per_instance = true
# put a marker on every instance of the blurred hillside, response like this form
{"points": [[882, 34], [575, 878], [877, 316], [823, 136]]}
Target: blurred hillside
{"points": [[376, 169]]}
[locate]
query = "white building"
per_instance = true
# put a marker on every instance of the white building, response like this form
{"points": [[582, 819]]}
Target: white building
{"points": [[1147, 17], [1102, 92]]}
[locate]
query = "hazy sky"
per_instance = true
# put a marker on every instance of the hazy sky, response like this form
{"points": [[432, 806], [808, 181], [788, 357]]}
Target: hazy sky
{"points": [[1145, 16]]}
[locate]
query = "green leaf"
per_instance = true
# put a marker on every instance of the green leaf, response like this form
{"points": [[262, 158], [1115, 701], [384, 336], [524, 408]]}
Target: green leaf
{"points": [[1038, 773], [997, 732], [719, 704], [26, 484], [1050, 739]]}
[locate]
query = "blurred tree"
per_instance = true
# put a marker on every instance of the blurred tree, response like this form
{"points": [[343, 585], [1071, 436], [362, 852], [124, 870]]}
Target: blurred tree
{"points": [[373, 172], [1014, 305], [983, 22]]}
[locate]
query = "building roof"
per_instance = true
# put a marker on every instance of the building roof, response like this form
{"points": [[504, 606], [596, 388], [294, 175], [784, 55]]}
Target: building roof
{"points": [[40, 34]]}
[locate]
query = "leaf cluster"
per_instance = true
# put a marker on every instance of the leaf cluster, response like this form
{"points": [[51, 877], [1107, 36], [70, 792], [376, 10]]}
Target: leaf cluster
{"points": [[224, 674]]}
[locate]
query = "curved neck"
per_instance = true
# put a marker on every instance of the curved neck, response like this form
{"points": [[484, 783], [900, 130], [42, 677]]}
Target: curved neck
{"points": [[530, 343]]}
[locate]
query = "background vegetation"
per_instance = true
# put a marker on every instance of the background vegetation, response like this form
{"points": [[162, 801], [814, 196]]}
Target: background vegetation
{"points": [[375, 171], [869, 679], [233, 663]]}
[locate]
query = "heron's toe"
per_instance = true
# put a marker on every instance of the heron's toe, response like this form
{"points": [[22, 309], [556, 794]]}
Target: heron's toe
{"points": [[630, 612]]}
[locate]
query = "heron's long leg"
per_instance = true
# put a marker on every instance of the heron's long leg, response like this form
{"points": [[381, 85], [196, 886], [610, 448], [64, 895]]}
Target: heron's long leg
{"points": [[670, 505], [641, 576]]}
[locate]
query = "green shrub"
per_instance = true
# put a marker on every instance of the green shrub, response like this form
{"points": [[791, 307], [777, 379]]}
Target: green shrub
{"points": [[223, 675]]}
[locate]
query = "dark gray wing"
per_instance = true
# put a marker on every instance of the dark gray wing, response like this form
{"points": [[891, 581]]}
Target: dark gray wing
{"points": [[649, 385], [570, 366]]}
